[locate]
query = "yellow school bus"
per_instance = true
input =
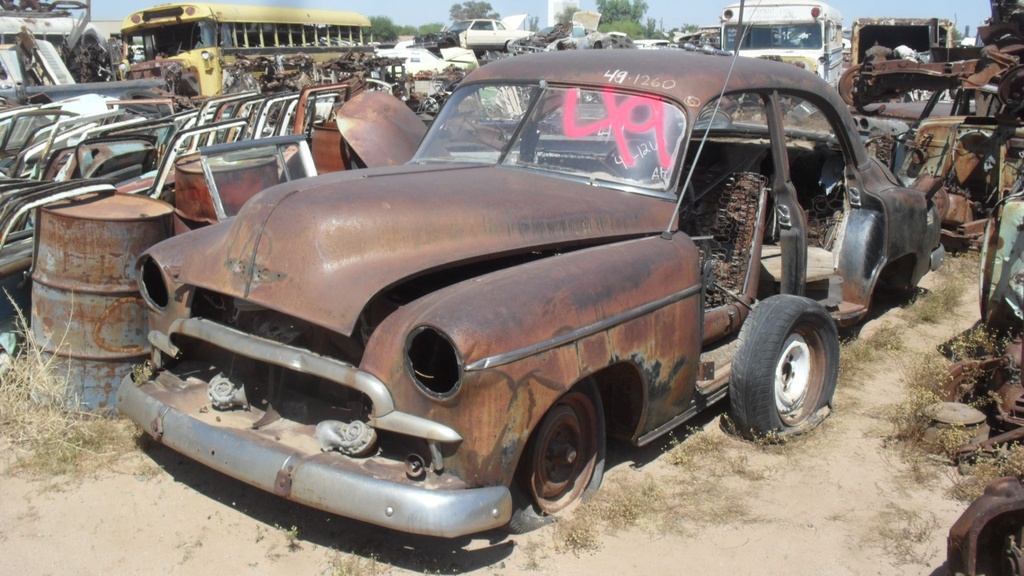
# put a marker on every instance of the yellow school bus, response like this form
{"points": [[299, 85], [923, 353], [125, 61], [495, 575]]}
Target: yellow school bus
{"points": [[196, 40]]}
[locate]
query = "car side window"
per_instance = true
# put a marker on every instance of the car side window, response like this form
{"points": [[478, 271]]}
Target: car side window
{"points": [[817, 168], [482, 25]]}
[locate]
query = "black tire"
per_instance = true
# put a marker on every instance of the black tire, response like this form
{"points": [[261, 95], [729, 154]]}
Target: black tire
{"points": [[785, 371], [539, 492]]}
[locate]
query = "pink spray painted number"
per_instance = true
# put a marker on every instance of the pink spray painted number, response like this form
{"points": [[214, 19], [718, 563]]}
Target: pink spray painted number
{"points": [[620, 121]]}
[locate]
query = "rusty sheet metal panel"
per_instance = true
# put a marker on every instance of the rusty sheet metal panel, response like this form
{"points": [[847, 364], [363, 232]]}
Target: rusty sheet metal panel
{"points": [[1002, 257], [921, 34], [329, 155], [372, 228], [987, 538], [520, 355], [86, 309], [237, 181], [380, 129]]}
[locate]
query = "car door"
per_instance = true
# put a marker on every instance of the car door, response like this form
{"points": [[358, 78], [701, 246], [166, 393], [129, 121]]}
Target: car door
{"points": [[481, 35]]}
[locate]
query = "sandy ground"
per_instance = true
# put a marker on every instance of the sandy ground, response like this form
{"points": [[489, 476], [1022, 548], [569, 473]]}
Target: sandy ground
{"points": [[839, 502]]}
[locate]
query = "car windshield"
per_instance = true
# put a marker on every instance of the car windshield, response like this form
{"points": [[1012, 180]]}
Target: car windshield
{"points": [[602, 135], [459, 26]]}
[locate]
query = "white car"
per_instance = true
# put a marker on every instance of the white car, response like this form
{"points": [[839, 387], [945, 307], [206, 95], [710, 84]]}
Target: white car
{"points": [[422, 60], [483, 34]]}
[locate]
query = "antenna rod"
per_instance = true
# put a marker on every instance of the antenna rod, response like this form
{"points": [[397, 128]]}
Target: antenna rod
{"points": [[667, 234]]}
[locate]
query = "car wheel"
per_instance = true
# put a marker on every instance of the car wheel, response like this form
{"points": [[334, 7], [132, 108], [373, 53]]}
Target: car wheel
{"points": [[563, 462], [785, 370]]}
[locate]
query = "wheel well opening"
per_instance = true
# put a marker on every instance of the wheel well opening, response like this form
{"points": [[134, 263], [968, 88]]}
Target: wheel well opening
{"points": [[898, 274], [621, 389]]}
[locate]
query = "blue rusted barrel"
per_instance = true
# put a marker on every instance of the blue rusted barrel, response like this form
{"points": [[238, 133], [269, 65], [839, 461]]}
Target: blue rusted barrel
{"points": [[86, 308]]}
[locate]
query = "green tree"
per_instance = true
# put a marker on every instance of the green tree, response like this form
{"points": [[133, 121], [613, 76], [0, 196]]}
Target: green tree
{"points": [[431, 28], [470, 9], [631, 28], [566, 15], [651, 29], [383, 29], [618, 10]]}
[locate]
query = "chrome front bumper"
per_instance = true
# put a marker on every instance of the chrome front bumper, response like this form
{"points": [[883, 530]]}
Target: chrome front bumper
{"points": [[319, 480]]}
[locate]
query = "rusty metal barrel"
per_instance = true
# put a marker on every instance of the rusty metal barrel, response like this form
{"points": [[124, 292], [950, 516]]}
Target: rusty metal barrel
{"points": [[87, 313]]}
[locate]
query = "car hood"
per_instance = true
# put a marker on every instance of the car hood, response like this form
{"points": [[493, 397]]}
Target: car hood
{"points": [[318, 249]]}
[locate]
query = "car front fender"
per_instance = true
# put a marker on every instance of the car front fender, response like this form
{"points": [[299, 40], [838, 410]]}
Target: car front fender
{"points": [[526, 334]]}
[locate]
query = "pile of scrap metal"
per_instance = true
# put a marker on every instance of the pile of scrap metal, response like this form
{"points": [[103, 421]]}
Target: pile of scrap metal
{"points": [[268, 74], [996, 372], [274, 74], [436, 40], [894, 58], [83, 46], [428, 92], [31, 71], [703, 36], [580, 34], [207, 161], [971, 145], [989, 536]]}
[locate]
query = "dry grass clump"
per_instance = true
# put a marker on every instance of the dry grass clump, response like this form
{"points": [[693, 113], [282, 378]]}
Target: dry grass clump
{"points": [[40, 418], [933, 306], [925, 378], [626, 504], [1010, 462], [578, 532], [856, 356], [618, 505], [340, 564], [903, 534]]}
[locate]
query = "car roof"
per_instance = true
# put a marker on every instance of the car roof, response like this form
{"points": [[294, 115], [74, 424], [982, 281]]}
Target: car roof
{"points": [[692, 78]]}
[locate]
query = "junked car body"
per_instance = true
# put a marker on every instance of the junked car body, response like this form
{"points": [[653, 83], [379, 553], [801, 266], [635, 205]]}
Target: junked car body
{"points": [[485, 34], [443, 347]]}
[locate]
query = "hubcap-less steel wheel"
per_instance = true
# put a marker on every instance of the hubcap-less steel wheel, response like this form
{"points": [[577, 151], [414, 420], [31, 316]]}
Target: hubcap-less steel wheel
{"points": [[563, 453], [799, 375]]}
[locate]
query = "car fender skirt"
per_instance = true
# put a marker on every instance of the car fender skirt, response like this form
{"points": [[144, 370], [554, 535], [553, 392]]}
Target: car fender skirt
{"points": [[317, 481]]}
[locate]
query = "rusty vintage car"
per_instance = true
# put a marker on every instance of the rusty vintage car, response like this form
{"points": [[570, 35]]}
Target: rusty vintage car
{"points": [[587, 245]]}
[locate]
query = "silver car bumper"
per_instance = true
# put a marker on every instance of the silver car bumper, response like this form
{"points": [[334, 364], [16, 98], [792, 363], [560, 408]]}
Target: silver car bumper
{"points": [[321, 481]]}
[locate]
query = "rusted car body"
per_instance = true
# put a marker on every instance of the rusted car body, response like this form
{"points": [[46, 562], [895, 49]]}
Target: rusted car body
{"points": [[932, 36], [213, 183], [370, 130], [996, 374], [988, 537], [978, 158], [443, 347]]}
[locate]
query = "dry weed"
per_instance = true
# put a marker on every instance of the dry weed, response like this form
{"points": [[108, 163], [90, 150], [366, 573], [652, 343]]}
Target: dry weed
{"points": [[340, 564], [857, 356], [40, 417], [701, 450], [532, 553], [626, 504], [903, 534], [578, 532], [942, 300], [976, 476], [925, 377]]}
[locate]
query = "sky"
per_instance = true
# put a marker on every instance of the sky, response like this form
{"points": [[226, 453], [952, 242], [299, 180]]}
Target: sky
{"points": [[671, 13]]}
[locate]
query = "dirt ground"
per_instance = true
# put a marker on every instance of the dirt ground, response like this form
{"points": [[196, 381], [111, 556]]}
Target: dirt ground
{"points": [[842, 500]]}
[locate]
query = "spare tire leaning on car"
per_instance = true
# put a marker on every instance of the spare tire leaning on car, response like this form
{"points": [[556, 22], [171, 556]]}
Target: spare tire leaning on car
{"points": [[785, 371]]}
